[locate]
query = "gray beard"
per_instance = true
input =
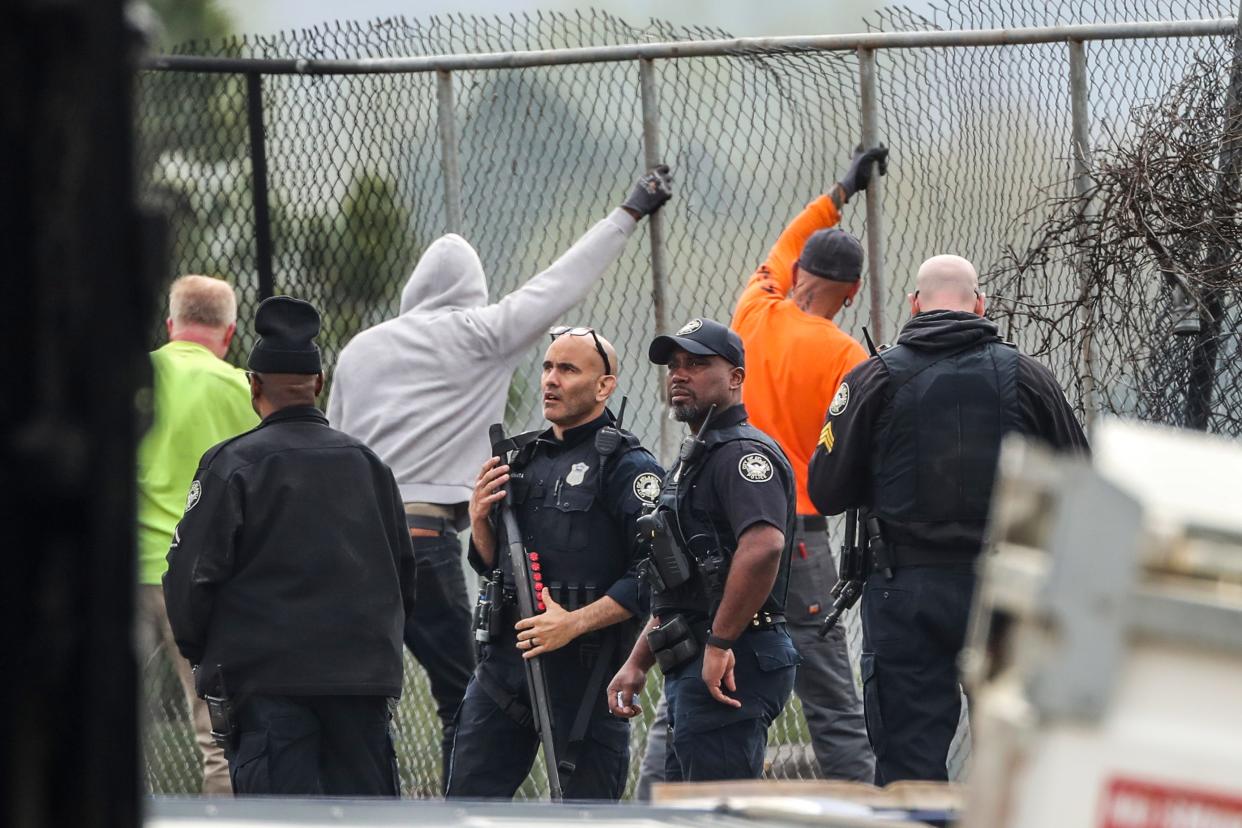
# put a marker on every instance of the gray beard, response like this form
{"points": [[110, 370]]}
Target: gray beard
{"points": [[687, 413]]}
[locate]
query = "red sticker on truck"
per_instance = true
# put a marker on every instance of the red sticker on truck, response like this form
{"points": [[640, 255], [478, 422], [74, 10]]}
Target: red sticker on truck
{"points": [[1131, 803]]}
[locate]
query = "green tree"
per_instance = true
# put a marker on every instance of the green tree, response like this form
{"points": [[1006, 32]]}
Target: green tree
{"points": [[186, 21], [375, 228]]}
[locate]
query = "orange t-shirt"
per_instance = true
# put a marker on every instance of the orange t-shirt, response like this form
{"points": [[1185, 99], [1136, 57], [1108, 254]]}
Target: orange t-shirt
{"points": [[794, 361]]}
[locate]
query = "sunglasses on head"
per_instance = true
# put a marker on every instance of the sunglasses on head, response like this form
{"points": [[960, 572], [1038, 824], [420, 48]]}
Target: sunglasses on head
{"points": [[561, 330]]}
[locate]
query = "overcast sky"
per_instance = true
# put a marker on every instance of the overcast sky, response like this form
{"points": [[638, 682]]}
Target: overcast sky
{"points": [[739, 17]]}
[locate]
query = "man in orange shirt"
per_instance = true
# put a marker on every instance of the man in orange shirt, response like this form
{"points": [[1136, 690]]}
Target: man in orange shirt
{"points": [[796, 358]]}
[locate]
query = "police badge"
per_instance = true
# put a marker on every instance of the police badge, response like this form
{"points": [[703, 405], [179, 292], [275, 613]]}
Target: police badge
{"points": [[577, 473]]}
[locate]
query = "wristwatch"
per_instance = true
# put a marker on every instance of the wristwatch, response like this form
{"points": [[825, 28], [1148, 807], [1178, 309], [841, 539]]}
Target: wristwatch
{"points": [[714, 640]]}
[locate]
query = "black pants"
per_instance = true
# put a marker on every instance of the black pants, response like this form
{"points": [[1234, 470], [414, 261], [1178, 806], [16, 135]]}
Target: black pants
{"points": [[493, 753], [438, 633], [314, 746], [712, 741], [914, 626]]}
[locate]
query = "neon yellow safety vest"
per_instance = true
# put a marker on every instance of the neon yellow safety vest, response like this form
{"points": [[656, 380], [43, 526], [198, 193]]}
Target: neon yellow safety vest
{"points": [[199, 401]]}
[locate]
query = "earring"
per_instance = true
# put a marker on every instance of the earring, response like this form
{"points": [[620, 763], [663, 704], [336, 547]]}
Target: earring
{"points": [[849, 300]]}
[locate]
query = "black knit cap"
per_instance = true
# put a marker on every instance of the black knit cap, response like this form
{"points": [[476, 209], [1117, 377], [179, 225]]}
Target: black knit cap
{"points": [[287, 328], [832, 254]]}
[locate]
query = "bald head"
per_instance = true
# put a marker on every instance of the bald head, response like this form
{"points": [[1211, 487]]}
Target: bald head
{"points": [[575, 385], [947, 282], [581, 351], [202, 309], [613, 359]]}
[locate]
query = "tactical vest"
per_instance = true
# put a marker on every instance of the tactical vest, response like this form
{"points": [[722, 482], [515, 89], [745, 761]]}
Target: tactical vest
{"points": [[557, 499], [700, 532], [938, 438]]}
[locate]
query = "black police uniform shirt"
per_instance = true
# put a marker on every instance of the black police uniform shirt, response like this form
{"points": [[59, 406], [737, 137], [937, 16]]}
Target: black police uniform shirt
{"points": [[740, 484], [580, 522], [843, 469], [292, 567]]}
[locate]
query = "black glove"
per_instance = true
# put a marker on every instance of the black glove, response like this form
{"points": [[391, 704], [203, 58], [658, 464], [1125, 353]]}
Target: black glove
{"points": [[651, 191], [858, 176]]}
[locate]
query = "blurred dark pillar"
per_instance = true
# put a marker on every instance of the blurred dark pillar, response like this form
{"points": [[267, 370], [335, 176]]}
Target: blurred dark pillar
{"points": [[74, 310]]}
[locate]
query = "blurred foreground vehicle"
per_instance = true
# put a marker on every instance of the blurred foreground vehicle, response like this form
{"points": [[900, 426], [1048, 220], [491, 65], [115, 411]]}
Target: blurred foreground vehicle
{"points": [[1105, 656]]}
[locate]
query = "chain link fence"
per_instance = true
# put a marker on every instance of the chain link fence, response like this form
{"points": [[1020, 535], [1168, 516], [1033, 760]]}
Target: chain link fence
{"points": [[350, 170]]}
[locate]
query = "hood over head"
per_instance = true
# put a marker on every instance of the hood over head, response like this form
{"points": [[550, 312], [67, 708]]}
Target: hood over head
{"points": [[449, 275], [940, 330]]}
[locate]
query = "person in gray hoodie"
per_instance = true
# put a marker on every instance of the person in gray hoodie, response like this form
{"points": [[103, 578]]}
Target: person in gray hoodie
{"points": [[421, 390]]}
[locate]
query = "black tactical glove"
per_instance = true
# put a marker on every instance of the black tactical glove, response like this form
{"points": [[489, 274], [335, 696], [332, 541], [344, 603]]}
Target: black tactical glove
{"points": [[858, 176], [651, 191]]}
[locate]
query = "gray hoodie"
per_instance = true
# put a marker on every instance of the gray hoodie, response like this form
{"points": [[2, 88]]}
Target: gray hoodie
{"points": [[422, 389]]}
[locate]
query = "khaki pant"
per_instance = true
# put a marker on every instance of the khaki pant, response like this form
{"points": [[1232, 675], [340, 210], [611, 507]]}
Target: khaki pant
{"points": [[154, 633]]}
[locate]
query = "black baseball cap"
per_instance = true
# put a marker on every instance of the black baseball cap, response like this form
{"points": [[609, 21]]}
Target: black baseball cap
{"points": [[699, 336], [832, 254]]}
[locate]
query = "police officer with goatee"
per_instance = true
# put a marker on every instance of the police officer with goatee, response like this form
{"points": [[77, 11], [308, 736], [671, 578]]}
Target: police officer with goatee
{"points": [[718, 564]]}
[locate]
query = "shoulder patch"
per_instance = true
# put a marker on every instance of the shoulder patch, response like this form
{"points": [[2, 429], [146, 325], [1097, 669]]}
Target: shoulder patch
{"points": [[196, 494], [840, 400], [647, 487], [690, 327], [755, 468]]}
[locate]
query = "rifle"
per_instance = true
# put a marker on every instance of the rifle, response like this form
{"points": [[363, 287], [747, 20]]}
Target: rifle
{"points": [[870, 342], [851, 574], [528, 599]]}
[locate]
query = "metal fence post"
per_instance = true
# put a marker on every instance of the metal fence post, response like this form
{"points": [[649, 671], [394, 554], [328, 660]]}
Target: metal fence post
{"points": [[1206, 350], [1081, 139], [449, 166], [258, 184], [869, 103], [655, 232]]}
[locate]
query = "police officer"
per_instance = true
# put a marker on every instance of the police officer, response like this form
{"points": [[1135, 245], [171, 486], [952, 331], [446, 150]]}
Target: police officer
{"points": [[289, 579], [914, 434], [578, 489], [719, 565]]}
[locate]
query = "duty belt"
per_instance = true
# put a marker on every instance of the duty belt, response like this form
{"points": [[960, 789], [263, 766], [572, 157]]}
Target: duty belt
{"points": [[766, 620], [762, 621], [901, 555]]}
